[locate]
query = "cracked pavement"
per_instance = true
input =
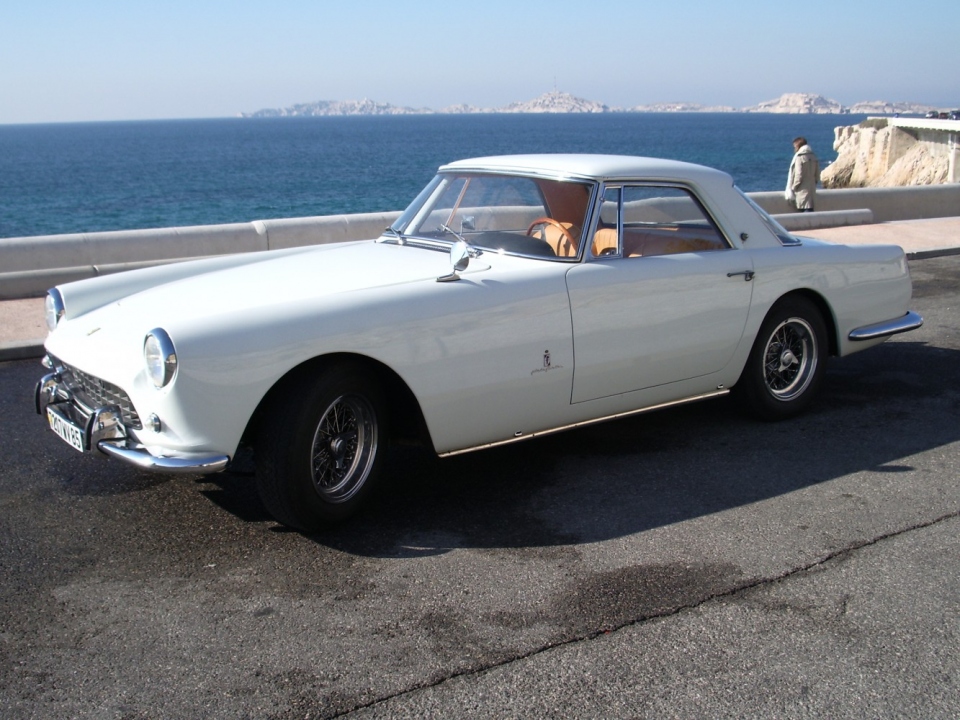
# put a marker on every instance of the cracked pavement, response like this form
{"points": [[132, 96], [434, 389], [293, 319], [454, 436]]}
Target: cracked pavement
{"points": [[685, 563]]}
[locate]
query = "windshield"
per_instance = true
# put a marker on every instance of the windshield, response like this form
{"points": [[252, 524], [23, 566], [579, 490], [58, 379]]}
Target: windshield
{"points": [[529, 216]]}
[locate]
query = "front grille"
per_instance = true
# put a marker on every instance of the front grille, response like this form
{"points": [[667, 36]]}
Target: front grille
{"points": [[95, 393]]}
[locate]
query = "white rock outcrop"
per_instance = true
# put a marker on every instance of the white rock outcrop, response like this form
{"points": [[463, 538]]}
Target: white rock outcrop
{"points": [[875, 154]]}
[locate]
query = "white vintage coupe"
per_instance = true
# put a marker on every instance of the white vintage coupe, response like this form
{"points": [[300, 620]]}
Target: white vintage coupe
{"points": [[517, 296]]}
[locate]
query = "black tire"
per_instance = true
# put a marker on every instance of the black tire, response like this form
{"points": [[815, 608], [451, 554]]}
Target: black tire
{"points": [[786, 364], [321, 446]]}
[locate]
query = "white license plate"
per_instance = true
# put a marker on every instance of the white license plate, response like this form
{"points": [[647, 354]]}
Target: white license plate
{"points": [[69, 433]]}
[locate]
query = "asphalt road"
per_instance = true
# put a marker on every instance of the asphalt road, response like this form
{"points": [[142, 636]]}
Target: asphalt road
{"points": [[689, 563]]}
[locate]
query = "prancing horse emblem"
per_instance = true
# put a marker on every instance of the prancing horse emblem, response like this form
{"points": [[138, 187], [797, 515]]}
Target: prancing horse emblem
{"points": [[546, 358]]}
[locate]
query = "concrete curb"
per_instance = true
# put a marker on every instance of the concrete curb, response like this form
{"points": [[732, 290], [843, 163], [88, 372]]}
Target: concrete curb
{"points": [[21, 350]]}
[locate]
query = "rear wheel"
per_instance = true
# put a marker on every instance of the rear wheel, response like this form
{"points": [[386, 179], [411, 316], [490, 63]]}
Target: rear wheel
{"points": [[321, 445], [786, 363]]}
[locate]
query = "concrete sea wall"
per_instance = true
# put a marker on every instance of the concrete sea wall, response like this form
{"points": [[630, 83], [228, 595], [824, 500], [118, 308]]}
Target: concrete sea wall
{"points": [[31, 265]]}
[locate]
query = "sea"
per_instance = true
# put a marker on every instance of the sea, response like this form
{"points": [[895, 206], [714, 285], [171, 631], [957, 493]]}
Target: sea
{"points": [[86, 177]]}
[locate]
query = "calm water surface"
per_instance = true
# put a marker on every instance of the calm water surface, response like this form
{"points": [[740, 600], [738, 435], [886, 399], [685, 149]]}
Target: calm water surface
{"points": [[87, 177]]}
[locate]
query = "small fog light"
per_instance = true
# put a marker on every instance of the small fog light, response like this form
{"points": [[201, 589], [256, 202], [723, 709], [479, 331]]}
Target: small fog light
{"points": [[155, 423]]}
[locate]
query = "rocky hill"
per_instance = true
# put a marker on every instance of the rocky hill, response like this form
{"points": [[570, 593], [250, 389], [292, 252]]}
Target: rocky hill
{"points": [[562, 102], [799, 104], [324, 108], [682, 107], [555, 102], [881, 107], [551, 102], [808, 104]]}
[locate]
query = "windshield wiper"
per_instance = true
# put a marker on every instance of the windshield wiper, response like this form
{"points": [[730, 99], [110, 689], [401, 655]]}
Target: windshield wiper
{"points": [[474, 252], [447, 228]]}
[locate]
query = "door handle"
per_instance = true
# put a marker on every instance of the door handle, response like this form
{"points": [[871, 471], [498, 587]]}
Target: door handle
{"points": [[747, 275]]}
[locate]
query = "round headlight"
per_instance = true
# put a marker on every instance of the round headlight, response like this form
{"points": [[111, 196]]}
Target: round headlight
{"points": [[53, 308], [160, 357]]}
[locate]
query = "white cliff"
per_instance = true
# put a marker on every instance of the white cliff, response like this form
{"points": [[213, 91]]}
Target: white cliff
{"points": [[877, 154]]}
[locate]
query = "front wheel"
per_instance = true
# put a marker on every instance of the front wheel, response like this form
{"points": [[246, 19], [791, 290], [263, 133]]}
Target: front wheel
{"points": [[321, 447], [786, 363]]}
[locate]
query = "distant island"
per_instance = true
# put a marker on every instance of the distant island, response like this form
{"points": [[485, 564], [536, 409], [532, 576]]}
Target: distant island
{"points": [[562, 102]]}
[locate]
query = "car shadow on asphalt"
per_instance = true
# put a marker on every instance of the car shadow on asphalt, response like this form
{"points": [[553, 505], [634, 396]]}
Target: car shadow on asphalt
{"points": [[625, 477]]}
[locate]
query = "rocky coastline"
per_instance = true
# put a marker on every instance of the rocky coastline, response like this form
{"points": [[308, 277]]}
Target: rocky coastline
{"points": [[562, 102], [876, 153]]}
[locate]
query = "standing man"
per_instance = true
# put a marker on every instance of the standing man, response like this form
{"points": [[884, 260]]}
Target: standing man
{"points": [[803, 176]]}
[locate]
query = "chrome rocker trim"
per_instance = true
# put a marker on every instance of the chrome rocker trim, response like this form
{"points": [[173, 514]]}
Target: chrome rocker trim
{"points": [[910, 321], [583, 423]]}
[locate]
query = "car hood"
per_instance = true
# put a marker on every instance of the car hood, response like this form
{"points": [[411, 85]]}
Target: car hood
{"points": [[250, 280], [191, 297]]}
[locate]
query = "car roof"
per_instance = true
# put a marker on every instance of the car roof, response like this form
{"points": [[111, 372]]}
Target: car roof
{"points": [[594, 167]]}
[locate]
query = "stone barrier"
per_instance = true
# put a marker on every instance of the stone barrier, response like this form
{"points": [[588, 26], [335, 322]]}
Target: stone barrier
{"points": [[887, 204], [31, 265]]}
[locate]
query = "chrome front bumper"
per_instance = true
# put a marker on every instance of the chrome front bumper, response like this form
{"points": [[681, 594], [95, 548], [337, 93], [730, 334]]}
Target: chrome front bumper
{"points": [[102, 428], [910, 321]]}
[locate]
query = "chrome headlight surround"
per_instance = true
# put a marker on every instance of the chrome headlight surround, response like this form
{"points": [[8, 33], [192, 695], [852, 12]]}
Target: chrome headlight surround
{"points": [[160, 357], [53, 308]]}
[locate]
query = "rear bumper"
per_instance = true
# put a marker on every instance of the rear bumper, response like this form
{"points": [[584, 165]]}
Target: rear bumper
{"points": [[910, 321]]}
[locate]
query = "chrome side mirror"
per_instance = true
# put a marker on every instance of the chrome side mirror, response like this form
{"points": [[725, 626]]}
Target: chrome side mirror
{"points": [[459, 260]]}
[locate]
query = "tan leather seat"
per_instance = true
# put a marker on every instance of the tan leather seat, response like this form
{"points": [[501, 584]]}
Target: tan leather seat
{"points": [[604, 242]]}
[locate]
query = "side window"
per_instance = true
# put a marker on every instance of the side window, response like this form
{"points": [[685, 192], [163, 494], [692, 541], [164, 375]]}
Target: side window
{"points": [[663, 220]]}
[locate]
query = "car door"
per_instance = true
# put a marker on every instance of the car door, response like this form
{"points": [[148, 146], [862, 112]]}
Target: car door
{"points": [[662, 298]]}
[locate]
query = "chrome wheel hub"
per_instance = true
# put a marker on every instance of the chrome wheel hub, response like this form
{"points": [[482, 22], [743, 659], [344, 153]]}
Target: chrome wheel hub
{"points": [[790, 359], [344, 448]]}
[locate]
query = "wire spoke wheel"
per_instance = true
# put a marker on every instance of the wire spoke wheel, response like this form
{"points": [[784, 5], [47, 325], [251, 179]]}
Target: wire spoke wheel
{"points": [[790, 360], [320, 445], [344, 447], [786, 363]]}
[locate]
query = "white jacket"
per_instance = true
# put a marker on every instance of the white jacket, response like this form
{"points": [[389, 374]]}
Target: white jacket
{"points": [[803, 178]]}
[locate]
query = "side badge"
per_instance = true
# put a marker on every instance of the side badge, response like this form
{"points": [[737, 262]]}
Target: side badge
{"points": [[547, 364]]}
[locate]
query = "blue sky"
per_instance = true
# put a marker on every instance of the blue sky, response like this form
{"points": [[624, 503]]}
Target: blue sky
{"points": [[72, 61]]}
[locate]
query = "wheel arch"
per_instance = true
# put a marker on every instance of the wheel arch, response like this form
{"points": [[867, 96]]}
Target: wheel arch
{"points": [[406, 417], [823, 307]]}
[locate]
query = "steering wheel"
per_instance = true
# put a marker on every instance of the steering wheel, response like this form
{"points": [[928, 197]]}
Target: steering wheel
{"points": [[557, 225]]}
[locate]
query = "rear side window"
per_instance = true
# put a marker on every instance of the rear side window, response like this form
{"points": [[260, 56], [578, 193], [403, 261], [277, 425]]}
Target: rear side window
{"points": [[654, 220]]}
